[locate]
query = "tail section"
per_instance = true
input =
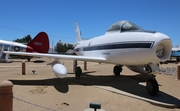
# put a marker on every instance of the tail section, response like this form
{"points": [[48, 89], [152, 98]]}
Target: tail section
{"points": [[78, 34], [40, 43]]}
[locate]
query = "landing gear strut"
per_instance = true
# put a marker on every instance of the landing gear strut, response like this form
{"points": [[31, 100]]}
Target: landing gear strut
{"points": [[152, 87], [117, 69], [78, 71]]}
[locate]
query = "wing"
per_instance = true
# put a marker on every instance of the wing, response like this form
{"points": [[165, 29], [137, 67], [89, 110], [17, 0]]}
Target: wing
{"points": [[69, 57]]}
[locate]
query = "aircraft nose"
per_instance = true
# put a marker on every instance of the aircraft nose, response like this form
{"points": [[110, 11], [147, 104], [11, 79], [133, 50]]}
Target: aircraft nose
{"points": [[162, 36], [163, 46]]}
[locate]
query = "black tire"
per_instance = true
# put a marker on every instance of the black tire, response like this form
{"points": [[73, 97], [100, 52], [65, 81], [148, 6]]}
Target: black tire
{"points": [[117, 70], [152, 87], [78, 72], [29, 59]]}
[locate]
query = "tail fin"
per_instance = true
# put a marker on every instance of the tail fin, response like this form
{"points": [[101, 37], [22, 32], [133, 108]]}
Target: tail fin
{"points": [[40, 43], [78, 34]]}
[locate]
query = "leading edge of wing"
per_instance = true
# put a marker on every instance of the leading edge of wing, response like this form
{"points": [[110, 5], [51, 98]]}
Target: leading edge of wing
{"points": [[68, 57]]}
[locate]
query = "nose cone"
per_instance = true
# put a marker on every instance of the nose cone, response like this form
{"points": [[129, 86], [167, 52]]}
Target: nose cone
{"points": [[163, 46], [162, 36]]}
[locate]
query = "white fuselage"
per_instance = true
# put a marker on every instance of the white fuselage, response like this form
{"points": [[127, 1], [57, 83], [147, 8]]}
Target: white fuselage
{"points": [[127, 48]]}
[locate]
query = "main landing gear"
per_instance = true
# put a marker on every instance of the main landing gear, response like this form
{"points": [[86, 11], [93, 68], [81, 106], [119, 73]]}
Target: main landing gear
{"points": [[152, 86], [117, 70], [78, 71]]}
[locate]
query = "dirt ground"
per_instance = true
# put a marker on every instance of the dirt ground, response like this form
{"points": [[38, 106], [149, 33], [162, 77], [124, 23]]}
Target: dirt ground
{"points": [[43, 91]]}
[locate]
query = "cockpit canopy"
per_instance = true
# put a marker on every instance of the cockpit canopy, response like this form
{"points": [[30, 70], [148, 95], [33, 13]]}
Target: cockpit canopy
{"points": [[124, 26]]}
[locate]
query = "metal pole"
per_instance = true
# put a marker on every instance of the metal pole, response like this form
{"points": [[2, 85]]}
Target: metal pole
{"points": [[52, 48]]}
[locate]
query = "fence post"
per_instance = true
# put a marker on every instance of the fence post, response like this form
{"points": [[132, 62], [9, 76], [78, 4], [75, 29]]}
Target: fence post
{"points": [[23, 68], [178, 72], [74, 65], [6, 96], [85, 65]]}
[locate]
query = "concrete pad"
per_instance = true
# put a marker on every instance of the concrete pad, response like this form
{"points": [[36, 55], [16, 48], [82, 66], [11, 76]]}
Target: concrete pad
{"points": [[138, 97]]}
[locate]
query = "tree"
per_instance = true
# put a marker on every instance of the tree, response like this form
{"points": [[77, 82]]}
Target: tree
{"points": [[69, 46], [61, 48], [25, 39]]}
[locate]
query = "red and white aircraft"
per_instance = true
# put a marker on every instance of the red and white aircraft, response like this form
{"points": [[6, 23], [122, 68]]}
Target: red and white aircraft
{"points": [[123, 44], [40, 44]]}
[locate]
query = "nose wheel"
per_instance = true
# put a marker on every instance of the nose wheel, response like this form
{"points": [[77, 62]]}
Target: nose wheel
{"points": [[152, 87]]}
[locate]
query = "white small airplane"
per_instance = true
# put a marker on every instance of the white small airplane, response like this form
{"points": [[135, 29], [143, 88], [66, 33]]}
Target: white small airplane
{"points": [[123, 44], [40, 44]]}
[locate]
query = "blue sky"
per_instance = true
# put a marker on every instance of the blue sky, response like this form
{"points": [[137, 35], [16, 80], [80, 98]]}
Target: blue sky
{"points": [[19, 18]]}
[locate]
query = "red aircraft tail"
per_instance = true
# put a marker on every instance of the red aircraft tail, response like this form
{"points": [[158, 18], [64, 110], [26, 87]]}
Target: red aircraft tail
{"points": [[40, 43]]}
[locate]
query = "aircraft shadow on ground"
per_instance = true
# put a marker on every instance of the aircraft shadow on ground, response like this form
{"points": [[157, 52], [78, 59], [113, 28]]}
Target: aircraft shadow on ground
{"points": [[84, 73], [129, 84], [171, 61], [38, 61]]}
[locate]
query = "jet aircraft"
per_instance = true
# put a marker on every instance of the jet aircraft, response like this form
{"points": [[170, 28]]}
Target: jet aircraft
{"points": [[40, 44], [123, 44]]}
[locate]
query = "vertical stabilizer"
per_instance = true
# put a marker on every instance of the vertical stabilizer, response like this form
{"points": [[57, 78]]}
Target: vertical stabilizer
{"points": [[78, 34], [40, 43]]}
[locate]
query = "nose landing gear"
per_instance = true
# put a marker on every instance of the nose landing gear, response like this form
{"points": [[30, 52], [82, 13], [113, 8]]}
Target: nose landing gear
{"points": [[152, 87]]}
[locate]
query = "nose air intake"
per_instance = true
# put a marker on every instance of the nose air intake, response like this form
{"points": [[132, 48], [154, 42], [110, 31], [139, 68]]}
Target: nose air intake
{"points": [[163, 49]]}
